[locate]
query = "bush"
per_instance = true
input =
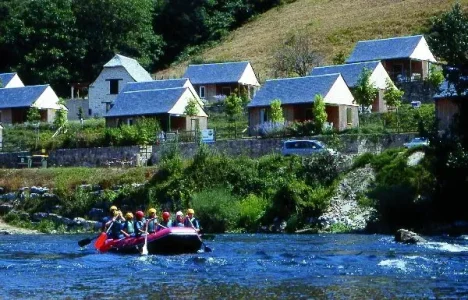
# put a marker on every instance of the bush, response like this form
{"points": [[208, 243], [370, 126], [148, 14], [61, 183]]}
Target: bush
{"points": [[217, 209], [252, 210]]}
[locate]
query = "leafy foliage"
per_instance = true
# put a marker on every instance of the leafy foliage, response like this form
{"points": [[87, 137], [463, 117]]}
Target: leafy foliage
{"points": [[435, 77], [320, 115], [191, 109], [33, 115], [365, 92], [392, 96], [276, 111]]}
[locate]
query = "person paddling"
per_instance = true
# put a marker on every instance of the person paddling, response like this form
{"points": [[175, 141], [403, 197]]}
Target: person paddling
{"points": [[140, 224], [191, 221], [179, 221], [128, 229], [115, 225], [152, 221], [166, 222], [108, 218]]}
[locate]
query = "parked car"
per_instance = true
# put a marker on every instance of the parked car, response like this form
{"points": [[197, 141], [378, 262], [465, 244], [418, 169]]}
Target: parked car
{"points": [[304, 147], [417, 142]]}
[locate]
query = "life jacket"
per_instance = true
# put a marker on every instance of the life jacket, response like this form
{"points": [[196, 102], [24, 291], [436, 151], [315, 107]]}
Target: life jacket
{"points": [[151, 225], [139, 225], [193, 221], [128, 227], [115, 229], [166, 224]]}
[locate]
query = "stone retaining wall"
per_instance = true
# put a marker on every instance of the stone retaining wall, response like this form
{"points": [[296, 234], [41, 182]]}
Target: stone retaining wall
{"points": [[131, 156]]}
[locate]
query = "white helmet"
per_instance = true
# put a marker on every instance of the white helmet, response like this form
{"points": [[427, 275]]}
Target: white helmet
{"points": [[179, 213]]}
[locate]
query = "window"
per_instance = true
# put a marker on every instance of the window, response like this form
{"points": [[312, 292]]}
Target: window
{"points": [[349, 116], [226, 91], [113, 86], [90, 112], [263, 115], [202, 92]]}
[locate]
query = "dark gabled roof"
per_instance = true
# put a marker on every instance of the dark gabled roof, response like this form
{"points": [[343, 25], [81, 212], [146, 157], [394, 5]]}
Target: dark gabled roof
{"points": [[20, 96], [216, 73], [448, 90], [350, 72], [293, 90], [5, 79], [391, 48], [154, 85], [147, 102]]}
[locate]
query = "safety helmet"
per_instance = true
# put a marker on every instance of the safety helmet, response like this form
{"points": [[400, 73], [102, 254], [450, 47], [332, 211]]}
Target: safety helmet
{"points": [[179, 213], [139, 214], [166, 215], [151, 211], [190, 211], [129, 216], [113, 207]]}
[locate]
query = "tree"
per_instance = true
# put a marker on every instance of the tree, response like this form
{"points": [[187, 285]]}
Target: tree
{"points": [[107, 27], [60, 120], [393, 97], [365, 92], [296, 57], [320, 115], [448, 36], [41, 42], [191, 109], [33, 115], [276, 111], [233, 109], [435, 78]]}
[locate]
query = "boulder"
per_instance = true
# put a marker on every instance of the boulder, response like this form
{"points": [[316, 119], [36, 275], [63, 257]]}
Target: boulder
{"points": [[5, 208], [408, 237]]}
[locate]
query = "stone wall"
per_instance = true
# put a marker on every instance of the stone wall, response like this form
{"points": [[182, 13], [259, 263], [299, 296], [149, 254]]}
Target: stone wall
{"points": [[132, 155]]}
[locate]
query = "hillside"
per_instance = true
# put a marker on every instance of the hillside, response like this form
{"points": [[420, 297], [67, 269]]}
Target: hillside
{"points": [[333, 25]]}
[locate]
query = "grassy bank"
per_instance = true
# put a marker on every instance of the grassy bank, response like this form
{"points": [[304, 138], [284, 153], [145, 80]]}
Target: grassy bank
{"points": [[333, 26]]}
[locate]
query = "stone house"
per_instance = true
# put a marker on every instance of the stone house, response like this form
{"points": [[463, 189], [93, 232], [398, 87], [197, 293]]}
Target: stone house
{"points": [[297, 97], [166, 105], [115, 74], [16, 100], [351, 73], [406, 58], [215, 81]]}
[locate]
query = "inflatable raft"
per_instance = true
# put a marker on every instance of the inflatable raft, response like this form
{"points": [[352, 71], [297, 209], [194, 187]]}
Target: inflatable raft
{"points": [[173, 240]]}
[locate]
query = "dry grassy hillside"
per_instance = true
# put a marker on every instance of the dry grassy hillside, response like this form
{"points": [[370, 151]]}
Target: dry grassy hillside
{"points": [[333, 25]]}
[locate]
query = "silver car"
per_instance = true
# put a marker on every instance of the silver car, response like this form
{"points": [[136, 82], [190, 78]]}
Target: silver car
{"points": [[417, 142], [304, 147]]}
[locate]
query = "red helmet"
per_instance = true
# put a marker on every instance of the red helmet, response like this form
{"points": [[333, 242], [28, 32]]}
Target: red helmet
{"points": [[166, 215], [139, 214]]}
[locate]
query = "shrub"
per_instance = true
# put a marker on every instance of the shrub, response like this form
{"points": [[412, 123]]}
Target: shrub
{"points": [[252, 210], [271, 129], [217, 209]]}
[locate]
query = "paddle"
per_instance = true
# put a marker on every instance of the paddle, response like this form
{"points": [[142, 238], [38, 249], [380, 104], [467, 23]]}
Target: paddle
{"points": [[144, 250], [206, 248], [102, 238], [87, 241]]}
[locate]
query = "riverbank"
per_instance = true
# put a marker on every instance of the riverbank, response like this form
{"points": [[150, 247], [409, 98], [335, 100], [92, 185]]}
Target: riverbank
{"points": [[8, 229]]}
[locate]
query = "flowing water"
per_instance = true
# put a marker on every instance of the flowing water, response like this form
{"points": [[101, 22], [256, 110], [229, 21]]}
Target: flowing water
{"points": [[340, 266]]}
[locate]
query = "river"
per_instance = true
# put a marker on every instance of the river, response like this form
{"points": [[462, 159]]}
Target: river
{"points": [[332, 266]]}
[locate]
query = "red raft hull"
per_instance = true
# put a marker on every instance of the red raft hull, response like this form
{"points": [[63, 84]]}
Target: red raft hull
{"points": [[174, 240]]}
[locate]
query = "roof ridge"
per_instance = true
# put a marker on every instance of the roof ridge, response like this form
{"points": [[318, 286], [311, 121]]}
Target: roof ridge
{"points": [[393, 38], [148, 90], [353, 63], [227, 62], [301, 77]]}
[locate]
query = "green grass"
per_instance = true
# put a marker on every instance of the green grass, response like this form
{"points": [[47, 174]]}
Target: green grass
{"points": [[66, 179], [333, 26]]}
